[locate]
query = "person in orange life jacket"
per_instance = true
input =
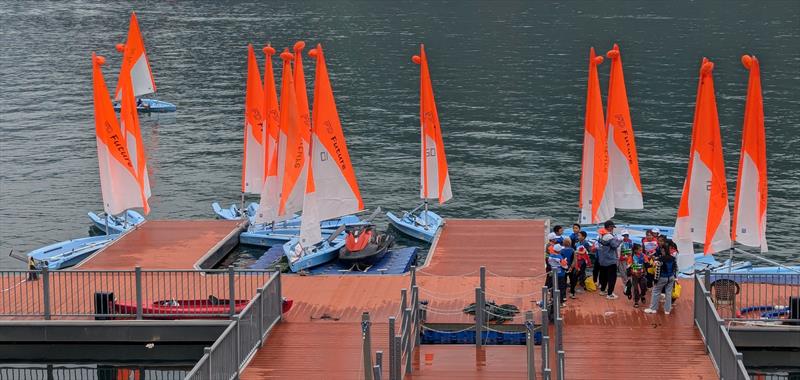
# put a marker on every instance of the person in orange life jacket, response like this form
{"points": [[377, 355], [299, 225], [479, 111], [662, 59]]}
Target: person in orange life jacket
{"points": [[650, 245], [666, 280], [593, 252], [574, 236], [577, 271], [625, 250], [551, 241], [558, 263], [636, 262], [607, 258]]}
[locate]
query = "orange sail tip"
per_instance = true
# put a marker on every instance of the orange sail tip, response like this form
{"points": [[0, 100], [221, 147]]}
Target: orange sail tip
{"points": [[268, 50], [416, 59], [613, 54], [120, 47], [707, 67], [598, 60], [312, 53], [286, 56], [299, 46], [99, 59], [747, 61]]}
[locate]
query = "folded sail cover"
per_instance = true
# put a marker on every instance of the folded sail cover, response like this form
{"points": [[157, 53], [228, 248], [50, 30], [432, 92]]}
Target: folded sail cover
{"points": [[435, 180], [703, 215], [331, 187], [270, 192], [596, 198], [135, 63], [623, 160], [119, 181], [254, 128], [750, 209]]}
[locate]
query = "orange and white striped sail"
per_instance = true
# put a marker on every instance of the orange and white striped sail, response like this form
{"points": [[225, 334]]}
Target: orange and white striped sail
{"points": [[131, 130], [623, 169], [270, 192], [434, 178], [750, 207], [300, 85], [596, 198], [254, 131], [332, 190], [118, 179], [703, 214], [135, 63], [295, 153]]}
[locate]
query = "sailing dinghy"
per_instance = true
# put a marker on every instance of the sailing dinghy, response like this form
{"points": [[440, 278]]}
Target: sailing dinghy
{"points": [[420, 222], [330, 189], [136, 64], [68, 253]]}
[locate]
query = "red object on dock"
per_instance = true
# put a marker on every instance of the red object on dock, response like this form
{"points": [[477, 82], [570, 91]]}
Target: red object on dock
{"points": [[182, 309]]}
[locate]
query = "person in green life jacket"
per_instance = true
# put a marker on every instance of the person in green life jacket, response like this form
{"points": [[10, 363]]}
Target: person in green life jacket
{"points": [[666, 280], [637, 262], [625, 250]]}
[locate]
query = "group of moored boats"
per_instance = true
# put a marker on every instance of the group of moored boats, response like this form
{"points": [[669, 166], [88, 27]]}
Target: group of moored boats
{"points": [[297, 162]]}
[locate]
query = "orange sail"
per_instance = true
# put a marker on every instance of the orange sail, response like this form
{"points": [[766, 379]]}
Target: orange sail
{"points": [[131, 130], [295, 166], [596, 199], [300, 85], [623, 160], [118, 178], [750, 207], [332, 191], [135, 63], [254, 120], [703, 215], [434, 179], [270, 192]]}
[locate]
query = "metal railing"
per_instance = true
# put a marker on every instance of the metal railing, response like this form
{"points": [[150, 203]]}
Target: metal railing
{"points": [[237, 345], [746, 296], [727, 360], [84, 372], [127, 294]]}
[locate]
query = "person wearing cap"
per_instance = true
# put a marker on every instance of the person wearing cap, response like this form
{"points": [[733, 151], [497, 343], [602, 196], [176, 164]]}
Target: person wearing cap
{"points": [[551, 241], [656, 232], [577, 271], [556, 262], [607, 258], [625, 250], [609, 226]]}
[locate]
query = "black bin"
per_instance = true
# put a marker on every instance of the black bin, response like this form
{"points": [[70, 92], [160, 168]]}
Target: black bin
{"points": [[103, 304], [794, 308]]}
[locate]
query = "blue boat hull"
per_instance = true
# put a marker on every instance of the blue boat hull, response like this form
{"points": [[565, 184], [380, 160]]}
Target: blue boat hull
{"points": [[68, 253], [289, 229], [233, 212], [310, 258], [422, 226], [116, 224], [151, 105]]}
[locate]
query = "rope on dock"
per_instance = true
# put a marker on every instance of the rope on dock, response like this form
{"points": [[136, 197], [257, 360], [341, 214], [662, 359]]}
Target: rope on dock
{"points": [[458, 275], [444, 295], [444, 311], [469, 328], [498, 293]]}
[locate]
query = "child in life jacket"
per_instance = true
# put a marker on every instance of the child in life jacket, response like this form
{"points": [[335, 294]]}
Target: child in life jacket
{"points": [[650, 246], [625, 250], [558, 263], [636, 264], [577, 272]]}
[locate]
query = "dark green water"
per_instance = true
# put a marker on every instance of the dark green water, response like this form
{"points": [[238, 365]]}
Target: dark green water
{"points": [[509, 79]]}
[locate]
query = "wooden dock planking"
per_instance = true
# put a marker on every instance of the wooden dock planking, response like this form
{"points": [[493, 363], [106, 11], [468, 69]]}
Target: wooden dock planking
{"points": [[163, 244], [506, 247]]}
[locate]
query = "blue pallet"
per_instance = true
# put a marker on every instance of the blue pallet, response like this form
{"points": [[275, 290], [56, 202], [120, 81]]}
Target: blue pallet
{"points": [[468, 337], [396, 261]]}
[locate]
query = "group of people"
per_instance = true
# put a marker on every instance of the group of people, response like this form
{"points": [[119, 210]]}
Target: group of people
{"points": [[613, 256]]}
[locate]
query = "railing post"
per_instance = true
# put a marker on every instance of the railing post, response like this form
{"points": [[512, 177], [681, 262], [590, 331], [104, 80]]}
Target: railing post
{"points": [[416, 317], [530, 345], [560, 365], [279, 296], [545, 312], [483, 278], [138, 277], [237, 320], [207, 351], [478, 318], [376, 372], [46, 292], [413, 276], [231, 290], [409, 343], [397, 357], [392, 350], [545, 357], [403, 300], [557, 318], [379, 359], [260, 316], [367, 346]]}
